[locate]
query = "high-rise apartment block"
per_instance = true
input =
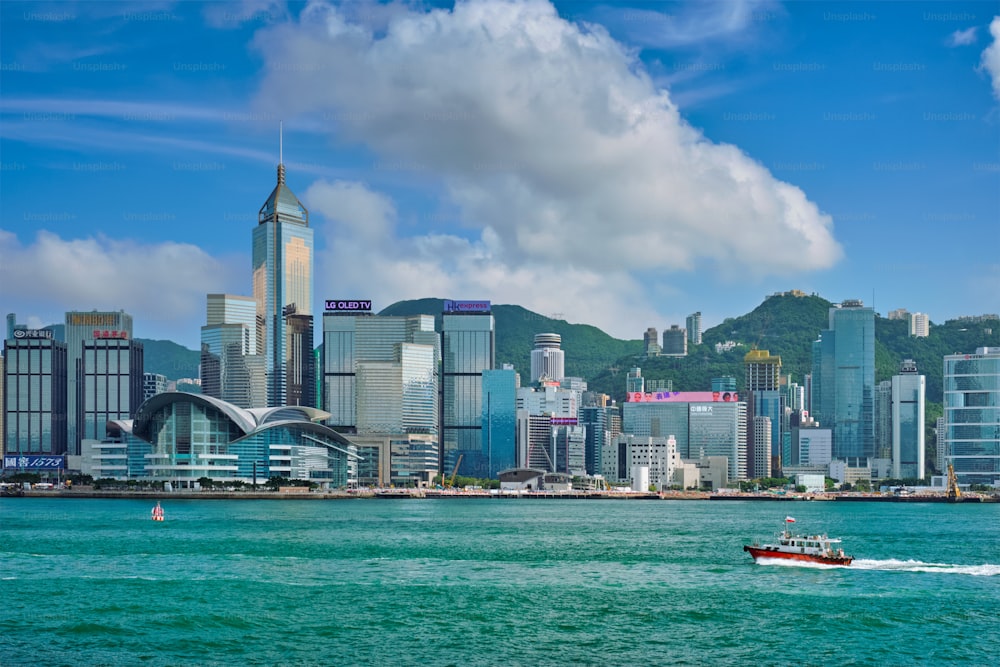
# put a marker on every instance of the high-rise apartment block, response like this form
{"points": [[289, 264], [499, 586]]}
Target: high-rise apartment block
{"points": [[674, 342], [651, 342], [972, 415], [919, 325], [693, 324]]}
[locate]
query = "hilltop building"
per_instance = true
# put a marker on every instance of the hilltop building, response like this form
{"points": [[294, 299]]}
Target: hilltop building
{"points": [[283, 292], [674, 342], [651, 342], [693, 324]]}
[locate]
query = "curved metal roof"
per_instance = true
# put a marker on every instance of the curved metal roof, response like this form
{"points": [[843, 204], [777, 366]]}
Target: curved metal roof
{"points": [[265, 415], [243, 419]]}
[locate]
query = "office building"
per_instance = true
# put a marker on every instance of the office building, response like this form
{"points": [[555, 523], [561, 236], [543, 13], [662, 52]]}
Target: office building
{"points": [[35, 399], [282, 289], [883, 419], [674, 342], [634, 382], [703, 423], [843, 373], [401, 395], [232, 367], [153, 384], [765, 398], [468, 347], [760, 459], [500, 420], [723, 384], [109, 380], [628, 453], [548, 361], [84, 326], [972, 415], [908, 396], [693, 324]]}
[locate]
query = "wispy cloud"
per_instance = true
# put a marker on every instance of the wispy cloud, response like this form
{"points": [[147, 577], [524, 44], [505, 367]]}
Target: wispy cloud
{"points": [[963, 37], [990, 59]]}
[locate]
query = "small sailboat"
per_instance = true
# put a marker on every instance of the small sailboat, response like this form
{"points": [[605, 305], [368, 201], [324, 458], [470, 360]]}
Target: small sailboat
{"points": [[157, 512]]}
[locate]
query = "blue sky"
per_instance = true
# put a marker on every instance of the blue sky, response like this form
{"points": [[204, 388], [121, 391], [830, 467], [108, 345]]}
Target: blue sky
{"points": [[615, 164]]}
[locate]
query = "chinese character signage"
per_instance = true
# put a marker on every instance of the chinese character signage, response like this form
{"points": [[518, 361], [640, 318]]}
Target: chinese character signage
{"points": [[33, 462], [32, 333], [107, 333]]}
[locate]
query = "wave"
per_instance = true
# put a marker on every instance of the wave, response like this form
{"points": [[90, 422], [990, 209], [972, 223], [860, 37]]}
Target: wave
{"points": [[984, 570], [894, 565]]}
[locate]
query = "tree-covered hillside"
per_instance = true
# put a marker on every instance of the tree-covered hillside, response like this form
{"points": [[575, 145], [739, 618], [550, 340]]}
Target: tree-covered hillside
{"points": [[170, 359]]}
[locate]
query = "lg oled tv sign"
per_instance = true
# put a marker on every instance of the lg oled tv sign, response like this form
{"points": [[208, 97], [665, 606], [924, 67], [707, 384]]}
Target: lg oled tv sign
{"points": [[347, 306]]}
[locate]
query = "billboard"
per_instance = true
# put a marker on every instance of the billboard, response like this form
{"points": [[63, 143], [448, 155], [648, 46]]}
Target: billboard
{"points": [[347, 306], [33, 462], [683, 397], [466, 306], [563, 421]]}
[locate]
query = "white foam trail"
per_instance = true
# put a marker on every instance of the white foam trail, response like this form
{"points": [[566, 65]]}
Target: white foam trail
{"points": [[984, 570]]}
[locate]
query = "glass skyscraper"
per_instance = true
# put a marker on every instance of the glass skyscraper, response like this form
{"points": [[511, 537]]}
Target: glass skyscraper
{"points": [[972, 415], [908, 391], [35, 395], [109, 378], [843, 376], [231, 368], [282, 287], [80, 327], [468, 348], [499, 420]]}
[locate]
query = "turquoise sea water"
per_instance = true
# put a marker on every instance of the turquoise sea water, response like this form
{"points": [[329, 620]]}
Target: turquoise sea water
{"points": [[491, 582]]}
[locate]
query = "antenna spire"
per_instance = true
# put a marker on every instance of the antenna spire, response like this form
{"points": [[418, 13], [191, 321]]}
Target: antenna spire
{"points": [[281, 152]]}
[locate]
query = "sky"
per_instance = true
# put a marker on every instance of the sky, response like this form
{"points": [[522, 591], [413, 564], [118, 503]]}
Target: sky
{"points": [[619, 164]]}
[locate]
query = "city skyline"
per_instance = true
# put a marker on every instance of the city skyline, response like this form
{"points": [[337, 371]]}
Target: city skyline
{"points": [[616, 165]]}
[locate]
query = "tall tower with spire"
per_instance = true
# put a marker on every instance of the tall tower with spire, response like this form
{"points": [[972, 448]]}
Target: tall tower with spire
{"points": [[283, 291]]}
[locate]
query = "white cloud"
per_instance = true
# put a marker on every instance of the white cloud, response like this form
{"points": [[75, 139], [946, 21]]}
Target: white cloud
{"points": [[163, 286], [990, 60], [552, 141], [963, 37]]}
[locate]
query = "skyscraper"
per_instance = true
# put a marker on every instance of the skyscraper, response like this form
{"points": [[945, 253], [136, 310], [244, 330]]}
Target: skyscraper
{"points": [[764, 399], [35, 395], [908, 389], [651, 342], [500, 419], [844, 380], [468, 347], [972, 415], [674, 342], [80, 327], [231, 367], [109, 377], [548, 361], [283, 287]]}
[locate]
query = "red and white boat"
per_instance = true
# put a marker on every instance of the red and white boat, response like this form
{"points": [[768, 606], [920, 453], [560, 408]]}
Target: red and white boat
{"points": [[806, 548]]}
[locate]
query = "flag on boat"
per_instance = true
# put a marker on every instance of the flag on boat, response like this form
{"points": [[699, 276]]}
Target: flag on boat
{"points": [[789, 519]]}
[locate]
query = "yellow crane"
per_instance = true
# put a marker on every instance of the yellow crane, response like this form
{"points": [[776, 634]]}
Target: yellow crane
{"points": [[454, 472], [954, 493]]}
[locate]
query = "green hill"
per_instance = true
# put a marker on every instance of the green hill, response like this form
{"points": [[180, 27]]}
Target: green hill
{"points": [[169, 359]]}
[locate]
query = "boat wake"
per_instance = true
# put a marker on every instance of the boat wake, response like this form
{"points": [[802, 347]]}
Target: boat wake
{"points": [[985, 570], [892, 565]]}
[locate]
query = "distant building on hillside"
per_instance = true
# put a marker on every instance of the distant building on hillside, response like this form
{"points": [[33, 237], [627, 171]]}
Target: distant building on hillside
{"points": [[651, 342], [693, 324], [674, 342]]}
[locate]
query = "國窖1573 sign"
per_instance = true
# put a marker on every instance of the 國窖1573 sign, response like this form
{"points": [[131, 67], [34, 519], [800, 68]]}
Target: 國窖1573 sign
{"points": [[33, 462], [346, 305]]}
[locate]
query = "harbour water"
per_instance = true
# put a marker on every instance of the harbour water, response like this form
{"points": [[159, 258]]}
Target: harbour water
{"points": [[491, 582]]}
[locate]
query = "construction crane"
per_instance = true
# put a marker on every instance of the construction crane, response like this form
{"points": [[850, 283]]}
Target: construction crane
{"points": [[954, 493], [451, 482]]}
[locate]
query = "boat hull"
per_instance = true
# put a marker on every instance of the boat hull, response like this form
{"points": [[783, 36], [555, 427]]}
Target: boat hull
{"points": [[761, 552]]}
